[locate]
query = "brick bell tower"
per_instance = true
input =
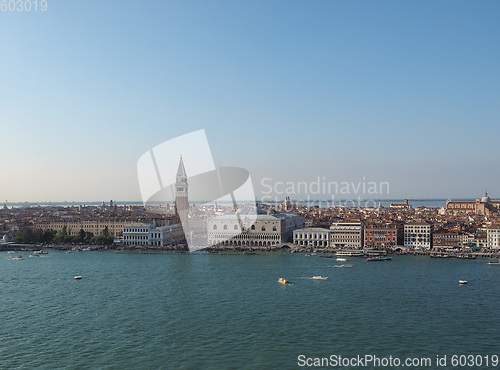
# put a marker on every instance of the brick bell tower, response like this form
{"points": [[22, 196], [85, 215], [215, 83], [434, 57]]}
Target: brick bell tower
{"points": [[181, 197]]}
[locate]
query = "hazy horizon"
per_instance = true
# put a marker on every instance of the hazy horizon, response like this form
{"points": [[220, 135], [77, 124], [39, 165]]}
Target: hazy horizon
{"points": [[300, 200]]}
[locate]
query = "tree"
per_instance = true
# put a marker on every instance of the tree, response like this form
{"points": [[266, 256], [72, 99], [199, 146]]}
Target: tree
{"points": [[105, 232], [81, 235], [47, 236], [61, 235], [24, 235]]}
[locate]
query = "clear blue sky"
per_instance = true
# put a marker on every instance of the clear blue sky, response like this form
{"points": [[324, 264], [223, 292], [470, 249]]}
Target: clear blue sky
{"points": [[406, 92]]}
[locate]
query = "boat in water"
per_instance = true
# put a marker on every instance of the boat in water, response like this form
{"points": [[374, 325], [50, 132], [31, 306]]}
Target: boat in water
{"points": [[78, 277], [439, 255], [41, 251], [369, 259], [341, 259], [462, 282], [16, 257], [351, 253], [466, 257], [494, 263], [320, 277], [283, 281]]}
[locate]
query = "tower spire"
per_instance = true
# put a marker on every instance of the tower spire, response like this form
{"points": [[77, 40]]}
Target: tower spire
{"points": [[181, 171]]}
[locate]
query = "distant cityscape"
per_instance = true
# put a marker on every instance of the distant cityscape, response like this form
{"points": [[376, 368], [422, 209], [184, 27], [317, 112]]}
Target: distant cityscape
{"points": [[466, 226], [471, 225]]}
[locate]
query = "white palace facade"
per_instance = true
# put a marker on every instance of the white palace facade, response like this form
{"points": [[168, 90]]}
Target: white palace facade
{"points": [[267, 230]]}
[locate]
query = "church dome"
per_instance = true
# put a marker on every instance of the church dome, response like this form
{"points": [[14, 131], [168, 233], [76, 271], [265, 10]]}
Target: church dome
{"points": [[486, 198]]}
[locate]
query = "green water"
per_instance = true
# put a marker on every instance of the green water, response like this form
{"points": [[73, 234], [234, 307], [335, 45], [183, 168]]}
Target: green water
{"points": [[228, 311]]}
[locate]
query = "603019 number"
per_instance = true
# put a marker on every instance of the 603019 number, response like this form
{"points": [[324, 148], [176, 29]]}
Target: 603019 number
{"points": [[474, 361], [23, 5]]}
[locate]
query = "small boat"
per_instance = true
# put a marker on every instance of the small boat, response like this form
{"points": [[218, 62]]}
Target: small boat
{"points": [[78, 277], [320, 277], [17, 257], [325, 256], [9, 252], [34, 255], [351, 253], [466, 257], [41, 251], [341, 259], [462, 282], [439, 255], [494, 263], [379, 259], [283, 281]]}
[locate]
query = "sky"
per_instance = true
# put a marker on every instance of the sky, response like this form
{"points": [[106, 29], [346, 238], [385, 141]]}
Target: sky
{"points": [[399, 92]]}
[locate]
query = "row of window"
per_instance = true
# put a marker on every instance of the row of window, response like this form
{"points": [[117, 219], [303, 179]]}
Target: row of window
{"points": [[380, 238], [135, 230], [220, 237], [378, 232], [235, 227], [311, 236]]}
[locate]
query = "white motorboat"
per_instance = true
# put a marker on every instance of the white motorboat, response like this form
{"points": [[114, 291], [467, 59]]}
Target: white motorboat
{"points": [[320, 277]]}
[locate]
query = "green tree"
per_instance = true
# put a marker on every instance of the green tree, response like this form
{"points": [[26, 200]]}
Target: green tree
{"points": [[61, 235], [105, 232], [102, 240], [81, 236], [25, 235], [47, 236]]}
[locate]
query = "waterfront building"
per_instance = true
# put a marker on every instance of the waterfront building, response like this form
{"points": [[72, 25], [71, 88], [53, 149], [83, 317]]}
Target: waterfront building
{"points": [[467, 239], [95, 226], [312, 237], [493, 237], [481, 239], [483, 206], [268, 229], [380, 235], [346, 235], [447, 239], [418, 235], [143, 234], [292, 222]]}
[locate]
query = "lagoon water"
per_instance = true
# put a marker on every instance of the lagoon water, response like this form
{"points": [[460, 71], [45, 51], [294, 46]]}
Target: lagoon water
{"points": [[228, 311]]}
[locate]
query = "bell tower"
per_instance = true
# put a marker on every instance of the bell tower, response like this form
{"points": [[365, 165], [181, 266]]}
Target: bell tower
{"points": [[181, 197]]}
